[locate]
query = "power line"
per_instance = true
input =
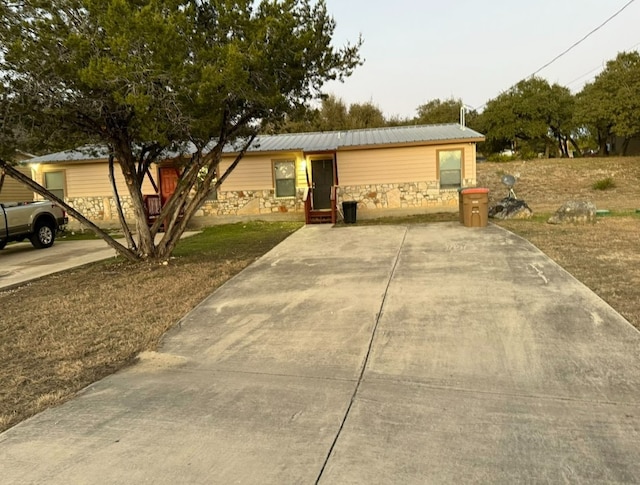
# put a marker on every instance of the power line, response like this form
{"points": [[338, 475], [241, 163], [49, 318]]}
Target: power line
{"points": [[583, 75], [598, 67], [573, 46], [584, 38]]}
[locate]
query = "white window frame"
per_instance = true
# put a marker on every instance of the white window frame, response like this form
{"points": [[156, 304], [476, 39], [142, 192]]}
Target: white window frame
{"points": [[56, 190], [461, 170], [275, 165]]}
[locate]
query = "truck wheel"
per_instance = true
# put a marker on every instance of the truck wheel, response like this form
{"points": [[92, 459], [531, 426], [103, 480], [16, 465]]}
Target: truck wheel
{"points": [[2, 244], [44, 235]]}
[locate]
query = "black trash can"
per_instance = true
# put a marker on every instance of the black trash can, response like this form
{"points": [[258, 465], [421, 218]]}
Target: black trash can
{"points": [[349, 209]]}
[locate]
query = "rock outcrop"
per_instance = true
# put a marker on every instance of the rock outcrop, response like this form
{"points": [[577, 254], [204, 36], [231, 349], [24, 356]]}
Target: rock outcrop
{"points": [[574, 212], [510, 208]]}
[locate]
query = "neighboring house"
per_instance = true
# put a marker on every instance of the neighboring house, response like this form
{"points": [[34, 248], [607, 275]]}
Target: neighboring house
{"points": [[304, 175], [14, 191]]}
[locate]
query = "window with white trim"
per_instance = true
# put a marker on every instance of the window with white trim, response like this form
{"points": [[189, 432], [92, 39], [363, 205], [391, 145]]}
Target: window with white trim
{"points": [[450, 168], [54, 183], [284, 175]]}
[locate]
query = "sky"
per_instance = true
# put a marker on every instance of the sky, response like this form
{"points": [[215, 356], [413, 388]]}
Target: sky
{"points": [[415, 51]]}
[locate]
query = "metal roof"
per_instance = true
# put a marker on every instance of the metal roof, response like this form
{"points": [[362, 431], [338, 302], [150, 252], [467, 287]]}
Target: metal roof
{"points": [[84, 153], [335, 140], [308, 142]]}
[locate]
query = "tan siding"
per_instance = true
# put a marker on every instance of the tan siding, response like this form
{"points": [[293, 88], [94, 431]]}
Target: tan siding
{"points": [[92, 179], [470, 161], [14, 191], [387, 165], [301, 173], [254, 172]]}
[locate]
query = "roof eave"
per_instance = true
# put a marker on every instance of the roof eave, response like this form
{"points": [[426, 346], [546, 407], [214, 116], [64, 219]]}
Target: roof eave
{"points": [[451, 141]]}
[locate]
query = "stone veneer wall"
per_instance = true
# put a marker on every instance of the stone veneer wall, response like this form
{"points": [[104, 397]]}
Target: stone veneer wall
{"points": [[256, 202], [101, 208], [401, 195], [251, 202]]}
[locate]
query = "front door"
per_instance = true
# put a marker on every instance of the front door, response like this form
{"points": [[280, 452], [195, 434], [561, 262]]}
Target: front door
{"points": [[322, 178], [168, 183]]}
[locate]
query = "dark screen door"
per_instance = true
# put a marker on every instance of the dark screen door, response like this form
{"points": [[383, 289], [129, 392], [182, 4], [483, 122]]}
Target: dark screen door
{"points": [[322, 176]]}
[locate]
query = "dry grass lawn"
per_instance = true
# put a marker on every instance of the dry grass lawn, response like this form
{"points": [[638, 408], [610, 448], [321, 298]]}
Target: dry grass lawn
{"points": [[62, 332], [546, 184]]}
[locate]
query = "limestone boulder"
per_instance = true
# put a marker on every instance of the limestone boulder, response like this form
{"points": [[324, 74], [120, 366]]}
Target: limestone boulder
{"points": [[509, 208], [574, 212]]}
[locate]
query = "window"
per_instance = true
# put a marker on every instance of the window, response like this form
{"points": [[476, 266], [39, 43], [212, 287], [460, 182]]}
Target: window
{"points": [[450, 168], [285, 178], [54, 183]]}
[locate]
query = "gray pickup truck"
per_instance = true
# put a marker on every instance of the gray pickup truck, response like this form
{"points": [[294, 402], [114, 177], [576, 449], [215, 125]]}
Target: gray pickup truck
{"points": [[36, 221]]}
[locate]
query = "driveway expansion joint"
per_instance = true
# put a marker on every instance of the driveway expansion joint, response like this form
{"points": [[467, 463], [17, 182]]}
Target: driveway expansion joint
{"points": [[367, 355]]}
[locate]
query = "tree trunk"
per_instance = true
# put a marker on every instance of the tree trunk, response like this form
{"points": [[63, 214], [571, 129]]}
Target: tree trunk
{"points": [[603, 149], [20, 177], [177, 226], [123, 223], [562, 146], [124, 155], [625, 146], [575, 145]]}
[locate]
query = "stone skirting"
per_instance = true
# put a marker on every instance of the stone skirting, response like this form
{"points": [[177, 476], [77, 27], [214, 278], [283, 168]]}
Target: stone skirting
{"points": [[406, 195], [101, 208], [252, 202], [409, 195]]}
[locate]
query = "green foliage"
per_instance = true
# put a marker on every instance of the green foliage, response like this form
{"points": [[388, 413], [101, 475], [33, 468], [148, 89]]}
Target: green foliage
{"points": [[365, 115], [334, 115], [439, 111], [610, 104], [500, 157], [604, 184], [146, 76], [7, 137], [533, 113]]}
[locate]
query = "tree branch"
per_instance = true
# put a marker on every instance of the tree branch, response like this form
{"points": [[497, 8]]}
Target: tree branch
{"points": [[123, 222], [15, 174]]}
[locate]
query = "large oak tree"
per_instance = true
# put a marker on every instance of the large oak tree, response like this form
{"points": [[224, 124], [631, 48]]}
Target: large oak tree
{"points": [[145, 77], [610, 104], [534, 114]]}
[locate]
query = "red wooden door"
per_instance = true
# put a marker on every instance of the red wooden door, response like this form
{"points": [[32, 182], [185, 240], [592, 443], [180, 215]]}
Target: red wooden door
{"points": [[168, 183]]}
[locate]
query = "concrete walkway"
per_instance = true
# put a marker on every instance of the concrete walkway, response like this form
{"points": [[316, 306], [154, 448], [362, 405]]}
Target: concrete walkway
{"points": [[427, 354]]}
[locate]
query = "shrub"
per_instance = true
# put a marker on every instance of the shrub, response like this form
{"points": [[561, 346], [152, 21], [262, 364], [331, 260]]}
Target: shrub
{"points": [[604, 184], [498, 157]]}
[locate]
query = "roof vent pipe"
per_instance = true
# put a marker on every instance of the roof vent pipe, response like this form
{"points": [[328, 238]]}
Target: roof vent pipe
{"points": [[463, 113]]}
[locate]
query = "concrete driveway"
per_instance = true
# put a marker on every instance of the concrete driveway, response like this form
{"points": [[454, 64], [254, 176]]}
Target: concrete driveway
{"points": [[427, 354], [21, 262]]}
